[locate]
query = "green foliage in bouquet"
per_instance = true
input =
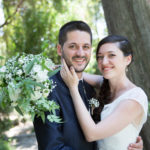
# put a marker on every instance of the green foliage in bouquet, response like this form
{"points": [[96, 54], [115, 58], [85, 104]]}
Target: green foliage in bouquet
{"points": [[25, 85]]}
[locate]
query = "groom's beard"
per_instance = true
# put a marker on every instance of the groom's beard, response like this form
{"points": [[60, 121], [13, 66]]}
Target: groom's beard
{"points": [[69, 62]]}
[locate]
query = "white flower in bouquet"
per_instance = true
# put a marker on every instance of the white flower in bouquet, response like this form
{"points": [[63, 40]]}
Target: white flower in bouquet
{"points": [[38, 74], [36, 68], [36, 95], [20, 61], [49, 63], [41, 76], [25, 85], [19, 72]]}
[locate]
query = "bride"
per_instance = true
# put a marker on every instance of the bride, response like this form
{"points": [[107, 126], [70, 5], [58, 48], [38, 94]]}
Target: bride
{"points": [[125, 104]]}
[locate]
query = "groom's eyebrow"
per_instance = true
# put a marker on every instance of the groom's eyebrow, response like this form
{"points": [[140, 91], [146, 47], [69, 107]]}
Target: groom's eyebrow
{"points": [[80, 43], [72, 43]]}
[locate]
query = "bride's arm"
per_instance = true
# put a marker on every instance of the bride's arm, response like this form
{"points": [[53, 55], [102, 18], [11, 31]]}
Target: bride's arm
{"points": [[92, 79], [124, 114]]}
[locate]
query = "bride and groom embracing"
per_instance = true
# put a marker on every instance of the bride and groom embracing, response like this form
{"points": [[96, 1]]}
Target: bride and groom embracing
{"points": [[124, 104]]}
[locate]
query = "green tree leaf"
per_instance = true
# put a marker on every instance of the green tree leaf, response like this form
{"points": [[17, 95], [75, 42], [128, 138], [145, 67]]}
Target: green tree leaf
{"points": [[1, 57]]}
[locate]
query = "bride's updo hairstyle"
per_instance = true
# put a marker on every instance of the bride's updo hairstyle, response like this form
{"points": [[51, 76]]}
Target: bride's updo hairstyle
{"points": [[105, 96]]}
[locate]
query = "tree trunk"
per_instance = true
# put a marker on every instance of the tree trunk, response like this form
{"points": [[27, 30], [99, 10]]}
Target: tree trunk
{"points": [[145, 133], [131, 18]]}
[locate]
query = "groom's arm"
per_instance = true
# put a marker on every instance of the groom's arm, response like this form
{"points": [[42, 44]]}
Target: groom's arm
{"points": [[138, 145], [49, 134]]}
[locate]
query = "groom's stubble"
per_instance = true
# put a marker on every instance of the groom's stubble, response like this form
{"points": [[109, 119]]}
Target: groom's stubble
{"points": [[69, 63]]}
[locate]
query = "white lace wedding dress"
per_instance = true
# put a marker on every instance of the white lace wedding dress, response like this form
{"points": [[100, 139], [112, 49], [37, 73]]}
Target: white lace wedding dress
{"points": [[121, 140]]}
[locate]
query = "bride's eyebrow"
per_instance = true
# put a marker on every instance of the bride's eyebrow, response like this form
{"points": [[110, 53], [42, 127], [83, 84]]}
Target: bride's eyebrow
{"points": [[111, 51], [106, 52]]}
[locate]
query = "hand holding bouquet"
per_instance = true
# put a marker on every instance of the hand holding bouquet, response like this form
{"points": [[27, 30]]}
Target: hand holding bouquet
{"points": [[25, 85]]}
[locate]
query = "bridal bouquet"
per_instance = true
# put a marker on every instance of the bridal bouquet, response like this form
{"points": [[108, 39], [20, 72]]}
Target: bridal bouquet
{"points": [[25, 85]]}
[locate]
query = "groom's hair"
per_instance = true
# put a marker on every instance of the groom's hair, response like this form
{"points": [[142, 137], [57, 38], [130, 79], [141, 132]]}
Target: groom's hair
{"points": [[72, 26]]}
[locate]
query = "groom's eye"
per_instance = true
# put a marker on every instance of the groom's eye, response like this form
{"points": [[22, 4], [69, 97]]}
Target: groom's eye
{"points": [[86, 47], [72, 46]]}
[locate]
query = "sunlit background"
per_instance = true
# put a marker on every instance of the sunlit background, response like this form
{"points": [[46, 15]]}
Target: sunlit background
{"points": [[33, 26]]}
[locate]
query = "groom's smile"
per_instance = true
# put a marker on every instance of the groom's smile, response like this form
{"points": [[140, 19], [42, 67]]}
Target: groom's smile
{"points": [[79, 60]]}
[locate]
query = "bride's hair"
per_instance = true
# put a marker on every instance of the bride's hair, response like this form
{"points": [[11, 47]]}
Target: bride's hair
{"points": [[105, 96]]}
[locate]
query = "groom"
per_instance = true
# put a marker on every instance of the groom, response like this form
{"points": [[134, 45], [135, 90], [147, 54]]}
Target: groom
{"points": [[75, 44]]}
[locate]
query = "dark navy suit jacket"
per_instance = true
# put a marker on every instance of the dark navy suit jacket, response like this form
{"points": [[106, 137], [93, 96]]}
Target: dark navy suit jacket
{"points": [[66, 135]]}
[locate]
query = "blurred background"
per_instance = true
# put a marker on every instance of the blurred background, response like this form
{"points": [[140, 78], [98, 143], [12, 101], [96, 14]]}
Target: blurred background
{"points": [[32, 26]]}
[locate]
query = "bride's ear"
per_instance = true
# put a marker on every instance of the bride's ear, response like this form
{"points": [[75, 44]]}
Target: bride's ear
{"points": [[128, 59], [59, 50]]}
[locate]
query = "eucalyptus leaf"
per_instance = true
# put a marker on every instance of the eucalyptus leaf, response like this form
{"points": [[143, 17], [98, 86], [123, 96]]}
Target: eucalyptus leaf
{"points": [[54, 118], [44, 66], [43, 116], [31, 82], [53, 72], [30, 66], [19, 110], [10, 90], [32, 116], [2, 73]]}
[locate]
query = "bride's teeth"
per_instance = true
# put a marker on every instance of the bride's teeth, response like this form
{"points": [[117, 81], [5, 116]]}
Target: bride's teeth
{"points": [[107, 68]]}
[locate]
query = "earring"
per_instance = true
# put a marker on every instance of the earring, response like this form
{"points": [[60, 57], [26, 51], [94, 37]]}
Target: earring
{"points": [[126, 69]]}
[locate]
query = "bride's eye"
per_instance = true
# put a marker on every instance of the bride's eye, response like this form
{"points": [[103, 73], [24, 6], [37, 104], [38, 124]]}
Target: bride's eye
{"points": [[112, 55], [100, 57]]}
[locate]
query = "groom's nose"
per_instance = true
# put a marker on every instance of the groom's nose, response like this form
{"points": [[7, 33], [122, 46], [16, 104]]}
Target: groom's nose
{"points": [[80, 51]]}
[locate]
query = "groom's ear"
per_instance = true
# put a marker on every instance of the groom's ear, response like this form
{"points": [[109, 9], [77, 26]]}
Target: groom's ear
{"points": [[59, 50]]}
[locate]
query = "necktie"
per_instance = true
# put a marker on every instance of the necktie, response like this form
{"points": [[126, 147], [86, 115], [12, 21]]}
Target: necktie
{"points": [[82, 92]]}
